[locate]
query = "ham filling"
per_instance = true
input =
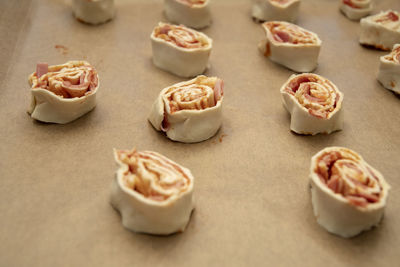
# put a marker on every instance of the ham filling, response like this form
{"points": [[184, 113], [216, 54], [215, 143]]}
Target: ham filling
{"points": [[290, 33], [68, 80], [344, 173], [152, 175], [317, 95], [387, 18], [180, 36]]}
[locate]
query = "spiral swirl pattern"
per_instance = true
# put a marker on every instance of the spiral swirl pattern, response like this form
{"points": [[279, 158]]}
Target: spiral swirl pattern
{"points": [[200, 94], [346, 173], [152, 175], [69, 80], [284, 32], [315, 93], [180, 36]]}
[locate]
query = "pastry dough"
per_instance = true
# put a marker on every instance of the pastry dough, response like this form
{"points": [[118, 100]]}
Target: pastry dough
{"points": [[381, 31], [189, 111], [348, 195], [356, 9], [389, 70], [314, 103], [180, 50], [191, 13], [93, 11], [281, 10], [291, 46], [63, 93], [153, 194]]}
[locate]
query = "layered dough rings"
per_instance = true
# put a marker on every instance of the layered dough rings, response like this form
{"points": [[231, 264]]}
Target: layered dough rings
{"points": [[290, 46], [314, 103], [389, 70], [93, 11], [180, 50], [189, 111], [356, 9], [153, 194], [63, 93], [191, 13], [348, 195], [381, 31], [281, 10]]}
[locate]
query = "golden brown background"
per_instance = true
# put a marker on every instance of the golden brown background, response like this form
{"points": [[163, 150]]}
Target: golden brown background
{"points": [[253, 203]]}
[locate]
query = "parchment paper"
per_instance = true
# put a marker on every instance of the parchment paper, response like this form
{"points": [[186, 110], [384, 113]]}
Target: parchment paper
{"points": [[253, 204]]}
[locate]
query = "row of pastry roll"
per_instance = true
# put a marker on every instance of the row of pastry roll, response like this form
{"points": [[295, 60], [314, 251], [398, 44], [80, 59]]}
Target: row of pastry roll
{"points": [[192, 13], [155, 194], [189, 111]]}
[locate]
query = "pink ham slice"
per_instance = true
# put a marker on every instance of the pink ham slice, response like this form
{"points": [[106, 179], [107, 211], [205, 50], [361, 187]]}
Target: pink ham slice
{"points": [[41, 69], [165, 29], [281, 36], [77, 90], [218, 90]]}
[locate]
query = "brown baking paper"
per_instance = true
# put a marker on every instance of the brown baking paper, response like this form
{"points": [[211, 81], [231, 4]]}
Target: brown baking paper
{"points": [[253, 205]]}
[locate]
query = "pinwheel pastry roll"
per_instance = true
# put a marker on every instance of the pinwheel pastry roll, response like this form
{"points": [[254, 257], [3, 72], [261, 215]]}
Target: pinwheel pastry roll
{"points": [[389, 70], [290, 46], [153, 194], [348, 195], [93, 11], [191, 13], [189, 111], [63, 93], [314, 104], [180, 50], [381, 31], [281, 10], [356, 9]]}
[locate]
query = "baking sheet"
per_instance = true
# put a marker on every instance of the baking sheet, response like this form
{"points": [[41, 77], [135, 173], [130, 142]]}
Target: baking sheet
{"points": [[252, 195]]}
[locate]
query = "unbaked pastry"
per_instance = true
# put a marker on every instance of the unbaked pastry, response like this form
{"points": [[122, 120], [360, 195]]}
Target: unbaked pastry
{"points": [[348, 195], [291, 46], [314, 103], [389, 70], [281, 10], [93, 11], [356, 9], [153, 194], [191, 13], [63, 93], [189, 111], [381, 31], [180, 50]]}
